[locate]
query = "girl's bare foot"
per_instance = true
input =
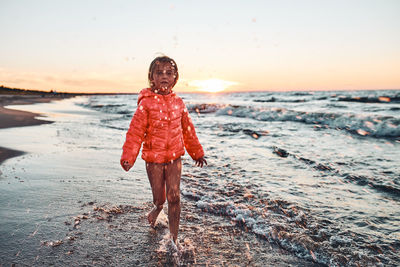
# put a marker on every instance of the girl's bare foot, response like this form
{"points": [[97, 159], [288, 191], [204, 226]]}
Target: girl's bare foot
{"points": [[152, 216]]}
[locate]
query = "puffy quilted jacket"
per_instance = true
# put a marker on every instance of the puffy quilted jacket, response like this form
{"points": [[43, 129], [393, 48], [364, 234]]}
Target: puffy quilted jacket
{"points": [[163, 125]]}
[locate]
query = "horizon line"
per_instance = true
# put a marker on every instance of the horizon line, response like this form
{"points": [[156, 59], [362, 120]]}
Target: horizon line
{"points": [[33, 90]]}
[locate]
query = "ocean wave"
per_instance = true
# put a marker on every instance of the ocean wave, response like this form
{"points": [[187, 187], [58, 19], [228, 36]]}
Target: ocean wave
{"points": [[292, 227], [302, 93], [377, 183], [111, 108], [356, 96], [241, 128], [374, 126], [361, 125], [274, 99], [370, 99], [104, 106], [204, 108]]}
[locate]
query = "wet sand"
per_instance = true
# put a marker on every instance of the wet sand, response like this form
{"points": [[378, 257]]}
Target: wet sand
{"points": [[18, 118], [6, 153], [108, 235]]}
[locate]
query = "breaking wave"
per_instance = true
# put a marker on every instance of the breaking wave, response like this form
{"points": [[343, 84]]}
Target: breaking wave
{"points": [[374, 126], [371, 99], [377, 183], [292, 227]]}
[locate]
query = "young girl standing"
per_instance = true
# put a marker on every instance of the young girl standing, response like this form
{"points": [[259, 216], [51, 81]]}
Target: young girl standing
{"points": [[162, 123]]}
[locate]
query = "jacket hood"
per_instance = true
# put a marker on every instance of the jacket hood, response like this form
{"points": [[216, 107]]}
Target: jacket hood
{"points": [[146, 92]]}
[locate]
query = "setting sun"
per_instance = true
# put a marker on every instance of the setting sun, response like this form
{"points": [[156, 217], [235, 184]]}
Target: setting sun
{"points": [[212, 85]]}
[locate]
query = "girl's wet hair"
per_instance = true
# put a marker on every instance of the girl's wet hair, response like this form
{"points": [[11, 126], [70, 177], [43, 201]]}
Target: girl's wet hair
{"points": [[159, 60]]}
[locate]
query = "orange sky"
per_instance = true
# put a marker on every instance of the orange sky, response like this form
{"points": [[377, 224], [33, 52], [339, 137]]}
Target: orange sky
{"points": [[101, 46]]}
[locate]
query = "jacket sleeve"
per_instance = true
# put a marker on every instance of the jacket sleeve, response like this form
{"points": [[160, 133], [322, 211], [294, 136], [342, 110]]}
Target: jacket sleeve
{"points": [[192, 144], [135, 135]]}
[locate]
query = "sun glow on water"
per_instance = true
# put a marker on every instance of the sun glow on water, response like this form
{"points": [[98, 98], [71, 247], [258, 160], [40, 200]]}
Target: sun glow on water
{"points": [[212, 85]]}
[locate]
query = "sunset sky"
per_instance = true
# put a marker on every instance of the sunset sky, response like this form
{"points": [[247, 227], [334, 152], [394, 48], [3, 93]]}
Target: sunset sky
{"points": [[107, 46]]}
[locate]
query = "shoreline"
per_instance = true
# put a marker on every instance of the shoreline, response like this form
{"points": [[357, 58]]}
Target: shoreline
{"points": [[10, 118]]}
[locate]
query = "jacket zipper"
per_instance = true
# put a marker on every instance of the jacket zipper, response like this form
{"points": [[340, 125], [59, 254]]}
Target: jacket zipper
{"points": [[169, 126]]}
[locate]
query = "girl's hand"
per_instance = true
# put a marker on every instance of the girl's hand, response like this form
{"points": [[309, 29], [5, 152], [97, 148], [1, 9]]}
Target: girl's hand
{"points": [[200, 162], [125, 165]]}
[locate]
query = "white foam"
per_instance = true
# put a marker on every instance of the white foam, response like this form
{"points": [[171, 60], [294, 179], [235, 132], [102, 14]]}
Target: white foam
{"points": [[376, 126], [178, 253], [170, 249], [162, 220]]}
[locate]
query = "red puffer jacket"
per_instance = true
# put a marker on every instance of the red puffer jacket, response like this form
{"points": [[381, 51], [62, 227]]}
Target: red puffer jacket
{"points": [[163, 125]]}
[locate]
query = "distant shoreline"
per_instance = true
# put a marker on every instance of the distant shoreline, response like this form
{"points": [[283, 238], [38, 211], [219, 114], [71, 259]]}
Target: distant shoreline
{"points": [[18, 91]]}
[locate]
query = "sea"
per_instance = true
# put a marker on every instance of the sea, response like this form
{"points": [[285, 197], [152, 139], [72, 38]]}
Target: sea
{"points": [[315, 173]]}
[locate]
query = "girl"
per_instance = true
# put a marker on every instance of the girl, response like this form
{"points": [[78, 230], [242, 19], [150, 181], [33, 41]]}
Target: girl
{"points": [[162, 123]]}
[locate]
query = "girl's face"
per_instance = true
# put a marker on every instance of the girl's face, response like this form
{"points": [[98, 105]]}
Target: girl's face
{"points": [[164, 78]]}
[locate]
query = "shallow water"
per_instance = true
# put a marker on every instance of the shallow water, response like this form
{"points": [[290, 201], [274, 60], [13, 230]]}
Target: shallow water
{"points": [[316, 174]]}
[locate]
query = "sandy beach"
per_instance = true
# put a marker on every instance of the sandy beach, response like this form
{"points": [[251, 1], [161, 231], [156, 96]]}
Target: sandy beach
{"points": [[59, 208], [17, 118]]}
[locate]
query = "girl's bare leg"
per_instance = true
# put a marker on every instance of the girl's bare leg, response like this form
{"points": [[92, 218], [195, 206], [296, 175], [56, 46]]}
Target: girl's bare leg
{"points": [[173, 179], [155, 172]]}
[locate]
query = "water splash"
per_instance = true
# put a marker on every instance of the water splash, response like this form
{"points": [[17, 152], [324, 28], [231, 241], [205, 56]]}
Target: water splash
{"points": [[179, 254]]}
